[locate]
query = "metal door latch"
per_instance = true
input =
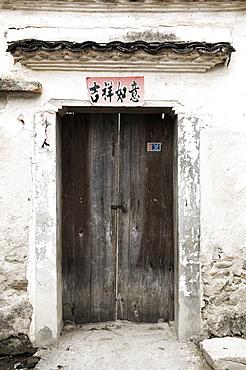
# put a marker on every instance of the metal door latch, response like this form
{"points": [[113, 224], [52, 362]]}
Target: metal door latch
{"points": [[123, 208]]}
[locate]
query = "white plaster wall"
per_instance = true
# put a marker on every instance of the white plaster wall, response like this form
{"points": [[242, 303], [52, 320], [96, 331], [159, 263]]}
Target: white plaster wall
{"points": [[216, 97], [15, 183]]}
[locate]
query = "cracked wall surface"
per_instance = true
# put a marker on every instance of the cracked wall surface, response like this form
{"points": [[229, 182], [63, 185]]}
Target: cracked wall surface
{"points": [[216, 99]]}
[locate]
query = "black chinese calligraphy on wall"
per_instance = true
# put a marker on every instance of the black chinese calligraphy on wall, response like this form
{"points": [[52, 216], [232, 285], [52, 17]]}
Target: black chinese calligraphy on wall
{"points": [[124, 91]]}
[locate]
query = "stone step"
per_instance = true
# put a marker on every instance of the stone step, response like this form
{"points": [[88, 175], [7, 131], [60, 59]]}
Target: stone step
{"points": [[225, 353]]}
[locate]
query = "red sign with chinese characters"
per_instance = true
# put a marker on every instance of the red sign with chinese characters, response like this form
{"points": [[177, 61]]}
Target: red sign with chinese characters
{"points": [[124, 91]]}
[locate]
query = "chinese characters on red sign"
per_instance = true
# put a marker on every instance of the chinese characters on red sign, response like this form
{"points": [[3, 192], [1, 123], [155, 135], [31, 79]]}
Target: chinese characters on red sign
{"points": [[122, 91]]}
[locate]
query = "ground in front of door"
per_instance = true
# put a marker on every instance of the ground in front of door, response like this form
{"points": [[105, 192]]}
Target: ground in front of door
{"points": [[121, 345]]}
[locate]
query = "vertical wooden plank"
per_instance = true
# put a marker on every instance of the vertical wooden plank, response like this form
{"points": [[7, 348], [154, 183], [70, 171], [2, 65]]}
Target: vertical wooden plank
{"points": [[82, 227], [124, 218], [89, 253], [159, 211], [103, 195], [147, 285], [67, 219], [132, 168], [76, 226]]}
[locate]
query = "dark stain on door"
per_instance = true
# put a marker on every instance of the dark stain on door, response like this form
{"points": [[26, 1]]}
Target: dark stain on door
{"points": [[117, 217]]}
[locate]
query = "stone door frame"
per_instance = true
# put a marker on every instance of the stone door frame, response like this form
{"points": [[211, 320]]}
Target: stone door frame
{"points": [[44, 270]]}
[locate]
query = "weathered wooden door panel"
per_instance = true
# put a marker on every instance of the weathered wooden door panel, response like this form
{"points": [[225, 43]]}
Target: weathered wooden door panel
{"points": [[76, 230], [88, 226], [103, 236], [145, 290], [117, 264]]}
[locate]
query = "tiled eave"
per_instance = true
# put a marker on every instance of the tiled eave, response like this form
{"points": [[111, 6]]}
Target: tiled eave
{"points": [[125, 5], [119, 56]]}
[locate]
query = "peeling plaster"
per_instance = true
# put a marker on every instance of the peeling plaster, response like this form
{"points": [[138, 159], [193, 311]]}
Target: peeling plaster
{"points": [[183, 286], [44, 219], [150, 35], [188, 224], [45, 335], [44, 132]]}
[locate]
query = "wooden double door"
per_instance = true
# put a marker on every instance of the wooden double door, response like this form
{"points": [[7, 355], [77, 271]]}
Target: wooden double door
{"points": [[117, 256]]}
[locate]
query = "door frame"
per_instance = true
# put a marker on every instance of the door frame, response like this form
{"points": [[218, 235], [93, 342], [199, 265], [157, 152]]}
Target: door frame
{"points": [[44, 267]]}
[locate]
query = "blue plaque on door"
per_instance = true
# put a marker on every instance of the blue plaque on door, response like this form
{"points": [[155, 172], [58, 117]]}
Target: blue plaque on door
{"points": [[153, 147]]}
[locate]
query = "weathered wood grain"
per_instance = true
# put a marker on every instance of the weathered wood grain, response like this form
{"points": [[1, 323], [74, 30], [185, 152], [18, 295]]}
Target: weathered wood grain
{"points": [[117, 264], [103, 237], [146, 248], [76, 218]]}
